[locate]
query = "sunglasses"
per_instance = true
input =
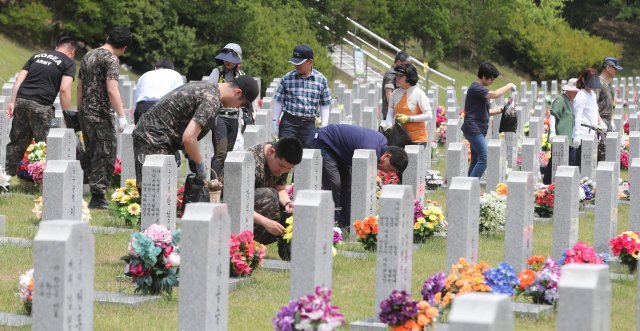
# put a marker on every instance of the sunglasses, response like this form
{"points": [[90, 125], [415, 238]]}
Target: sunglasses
{"points": [[228, 51]]}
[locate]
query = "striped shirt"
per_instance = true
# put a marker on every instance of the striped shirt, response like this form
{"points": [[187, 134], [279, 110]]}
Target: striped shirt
{"points": [[303, 96]]}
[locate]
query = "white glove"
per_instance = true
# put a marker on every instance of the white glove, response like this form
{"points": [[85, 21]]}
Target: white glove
{"points": [[513, 87], [613, 126], [576, 142], [122, 123], [552, 134]]}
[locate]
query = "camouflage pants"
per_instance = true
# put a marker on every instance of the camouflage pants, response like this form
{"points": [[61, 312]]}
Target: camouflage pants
{"points": [[141, 149], [31, 120], [100, 153], [266, 203]]}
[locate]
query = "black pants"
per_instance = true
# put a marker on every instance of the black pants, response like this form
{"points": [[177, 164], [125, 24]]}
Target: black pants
{"points": [[141, 108], [336, 177], [574, 160], [295, 126], [225, 132]]}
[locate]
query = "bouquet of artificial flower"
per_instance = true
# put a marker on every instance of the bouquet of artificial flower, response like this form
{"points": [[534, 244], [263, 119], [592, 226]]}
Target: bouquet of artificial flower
{"points": [[117, 170], [525, 129], [546, 144], [427, 220], [544, 197], [284, 250], [543, 158], [4, 181], [245, 254], [311, 313], [493, 208], [367, 231], [337, 239], [25, 286], [580, 253], [589, 188], [501, 189], [179, 200], [385, 178], [624, 160], [441, 135], [400, 312], [37, 210], [434, 180], [153, 262], [35, 169], [626, 247], [626, 127], [289, 189], [623, 190], [439, 290], [501, 279], [441, 117], [540, 280], [125, 202]]}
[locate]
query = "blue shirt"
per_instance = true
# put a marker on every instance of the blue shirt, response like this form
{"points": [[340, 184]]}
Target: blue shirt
{"points": [[303, 96], [344, 139], [476, 110]]}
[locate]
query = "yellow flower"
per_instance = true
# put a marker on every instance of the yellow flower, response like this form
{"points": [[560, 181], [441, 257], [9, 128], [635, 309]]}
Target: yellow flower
{"points": [[334, 251], [116, 196], [130, 182], [125, 198], [433, 217], [289, 220], [430, 226], [421, 220], [416, 226], [134, 209], [287, 236], [122, 190], [134, 193]]}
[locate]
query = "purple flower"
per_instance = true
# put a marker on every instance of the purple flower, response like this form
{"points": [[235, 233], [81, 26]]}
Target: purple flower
{"points": [[398, 308], [286, 317], [431, 286], [337, 235]]}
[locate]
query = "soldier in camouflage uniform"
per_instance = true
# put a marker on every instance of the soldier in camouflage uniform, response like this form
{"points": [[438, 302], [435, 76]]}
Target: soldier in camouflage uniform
{"points": [[271, 201], [606, 99], [184, 116], [97, 95], [34, 92]]}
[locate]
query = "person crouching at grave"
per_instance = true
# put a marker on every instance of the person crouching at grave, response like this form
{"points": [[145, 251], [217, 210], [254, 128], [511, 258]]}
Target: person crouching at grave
{"points": [[225, 131], [337, 144], [409, 104], [272, 205], [32, 97], [184, 116], [97, 95], [477, 112], [562, 122]]}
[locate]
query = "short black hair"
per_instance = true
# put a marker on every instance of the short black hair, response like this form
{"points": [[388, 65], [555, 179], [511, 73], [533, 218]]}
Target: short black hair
{"points": [[289, 149], [120, 37], [411, 73], [399, 159], [401, 56], [488, 71], [164, 64], [68, 41]]}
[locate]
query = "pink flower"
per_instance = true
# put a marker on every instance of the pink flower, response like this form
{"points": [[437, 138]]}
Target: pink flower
{"points": [[172, 260], [131, 250], [235, 244], [160, 234], [168, 250], [136, 270], [245, 236]]}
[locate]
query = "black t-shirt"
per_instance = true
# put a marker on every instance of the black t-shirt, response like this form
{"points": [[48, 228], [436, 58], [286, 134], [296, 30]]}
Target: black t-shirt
{"points": [[45, 71], [476, 110]]}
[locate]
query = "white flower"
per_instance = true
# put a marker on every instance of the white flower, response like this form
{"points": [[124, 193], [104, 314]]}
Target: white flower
{"points": [[23, 285], [173, 259]]}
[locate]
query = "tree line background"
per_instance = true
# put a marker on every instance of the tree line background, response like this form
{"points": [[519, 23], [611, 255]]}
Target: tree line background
{"points": [[541, 39]]}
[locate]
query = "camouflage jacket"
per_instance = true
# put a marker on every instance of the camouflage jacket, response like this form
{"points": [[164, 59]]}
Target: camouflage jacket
{"points": [[605, 97], [97, 66], [264, 178], [166, 121]]}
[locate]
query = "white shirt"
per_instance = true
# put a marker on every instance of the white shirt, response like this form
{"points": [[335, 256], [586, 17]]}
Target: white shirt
{"points": [[154, 84], [415, 96], [585, 109]]}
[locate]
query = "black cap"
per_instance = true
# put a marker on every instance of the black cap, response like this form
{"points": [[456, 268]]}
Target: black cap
{"points": [[301, 53], [249, 87], [399, 70], [611, 61]]}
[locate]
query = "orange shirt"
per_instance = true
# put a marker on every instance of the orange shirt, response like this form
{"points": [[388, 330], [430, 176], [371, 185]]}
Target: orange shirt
{"points": [[417, 130]]}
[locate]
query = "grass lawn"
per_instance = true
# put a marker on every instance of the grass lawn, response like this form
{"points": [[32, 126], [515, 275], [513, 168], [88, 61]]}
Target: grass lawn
{"points": [[252, 306]]}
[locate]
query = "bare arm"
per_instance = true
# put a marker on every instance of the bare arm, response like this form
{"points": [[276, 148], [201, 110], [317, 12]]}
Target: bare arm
{"points": [[283, 197], [500, 92], [190, 141], [14, 92], [114, 97], [271, 226], [65, 92], [79, 94]]}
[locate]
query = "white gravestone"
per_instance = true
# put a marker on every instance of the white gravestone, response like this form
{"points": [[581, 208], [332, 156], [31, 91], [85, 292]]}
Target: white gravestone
{"points": [[612, 145], [589, 156], [457, 161], [565, 210], [62, 190], [158, 198], [481, 312], [413, 174], [357, 107], [61, 144], [309, 171], [204, 270], [63, 263], [511, 145], [634, 195], [239, 188], [311, 247], [530, 161], [127, 158], [518, 238], [463, 211], [559, 154], [584, 298], [634, 144], [363, 186], [496, 164], [253, 135], [606, 209]]}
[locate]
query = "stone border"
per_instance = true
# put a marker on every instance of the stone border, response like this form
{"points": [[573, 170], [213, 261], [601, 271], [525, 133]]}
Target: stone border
{"points": [[14, 320], [275, 265], [531, 310], [109, 230], [537, 219], [234, 282], [18, 242], [368, 324], [133, 300]]}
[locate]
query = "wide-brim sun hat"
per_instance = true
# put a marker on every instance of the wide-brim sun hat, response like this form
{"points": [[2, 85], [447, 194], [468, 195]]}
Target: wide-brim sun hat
{"points": [[231, 53], [570, 86]]}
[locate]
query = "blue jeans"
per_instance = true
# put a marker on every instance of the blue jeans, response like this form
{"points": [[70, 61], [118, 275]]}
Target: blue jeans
{"points": [[479, 153]]}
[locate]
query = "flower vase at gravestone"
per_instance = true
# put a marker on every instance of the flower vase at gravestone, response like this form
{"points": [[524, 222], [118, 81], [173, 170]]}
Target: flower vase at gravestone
{"points": [[584, 293], [311, 253], [63, 261], [204, 290]]}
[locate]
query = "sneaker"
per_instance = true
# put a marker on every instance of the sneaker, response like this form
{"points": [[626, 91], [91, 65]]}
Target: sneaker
{"points": [[98, 202]]}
